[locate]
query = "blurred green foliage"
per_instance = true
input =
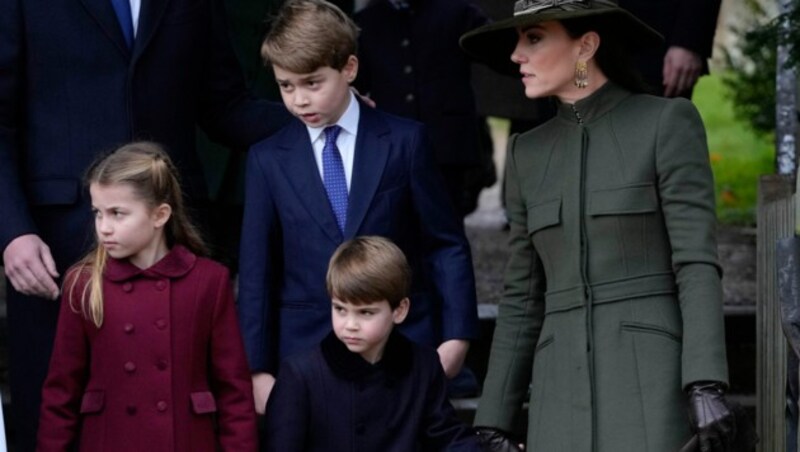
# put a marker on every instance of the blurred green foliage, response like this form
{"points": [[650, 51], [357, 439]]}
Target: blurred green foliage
{"points": [[752, 66]]}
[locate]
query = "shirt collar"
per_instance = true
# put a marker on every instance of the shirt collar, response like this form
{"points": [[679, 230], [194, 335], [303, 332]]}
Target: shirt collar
{"points": [[348, 121], [176, 263]]}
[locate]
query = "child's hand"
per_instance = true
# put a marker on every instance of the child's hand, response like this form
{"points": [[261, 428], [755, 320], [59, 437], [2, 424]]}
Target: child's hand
{"points": [[262, 386], [452, 354], [30, 267]]}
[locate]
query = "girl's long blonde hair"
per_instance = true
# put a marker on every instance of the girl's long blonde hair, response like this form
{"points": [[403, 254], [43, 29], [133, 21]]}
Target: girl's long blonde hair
{"points": [[148, 170]]}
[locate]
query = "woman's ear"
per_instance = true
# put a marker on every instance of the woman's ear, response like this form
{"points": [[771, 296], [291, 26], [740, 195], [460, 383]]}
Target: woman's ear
{"points": [[590, 42], [161, 214], [401, 311]]}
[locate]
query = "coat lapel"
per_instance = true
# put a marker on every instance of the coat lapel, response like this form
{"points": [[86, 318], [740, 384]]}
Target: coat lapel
{"points": [[297, 161], [150, 16], [103, 13], [371, 154]]}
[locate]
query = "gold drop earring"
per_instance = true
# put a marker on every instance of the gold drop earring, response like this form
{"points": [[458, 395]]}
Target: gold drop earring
{"points": [[581, 74]]}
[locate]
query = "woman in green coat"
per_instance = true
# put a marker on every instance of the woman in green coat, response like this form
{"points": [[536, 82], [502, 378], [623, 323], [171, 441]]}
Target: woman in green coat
{"points": [[612, 311]]}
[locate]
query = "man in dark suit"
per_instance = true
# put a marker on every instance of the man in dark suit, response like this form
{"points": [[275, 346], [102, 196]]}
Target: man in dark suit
{"points": [[78, 78], [688, 28]]}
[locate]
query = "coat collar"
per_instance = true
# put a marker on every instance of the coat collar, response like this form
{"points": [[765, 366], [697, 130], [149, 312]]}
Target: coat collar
{"points": [[176, 263], [595, 105], [396, 362]]}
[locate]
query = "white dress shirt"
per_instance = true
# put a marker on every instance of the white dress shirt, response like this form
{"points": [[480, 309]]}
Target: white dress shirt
{"points": [[346, 141], [136, 6]]}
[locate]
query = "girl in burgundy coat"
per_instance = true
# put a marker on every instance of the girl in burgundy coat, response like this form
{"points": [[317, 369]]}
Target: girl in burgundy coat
{"points": [[148, 355]]}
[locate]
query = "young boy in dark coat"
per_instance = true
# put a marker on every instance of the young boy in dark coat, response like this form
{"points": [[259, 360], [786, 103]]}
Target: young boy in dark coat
{"points": [[365, 387], [338, 171]]}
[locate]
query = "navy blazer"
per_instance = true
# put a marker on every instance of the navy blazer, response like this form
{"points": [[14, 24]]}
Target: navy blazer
{"points": [[290, 233], [332, 400], [70, 88]]}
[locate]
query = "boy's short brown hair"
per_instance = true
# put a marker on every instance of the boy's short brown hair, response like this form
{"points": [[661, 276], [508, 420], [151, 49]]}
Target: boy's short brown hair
{"points": [[310, 34], [368, 269]]}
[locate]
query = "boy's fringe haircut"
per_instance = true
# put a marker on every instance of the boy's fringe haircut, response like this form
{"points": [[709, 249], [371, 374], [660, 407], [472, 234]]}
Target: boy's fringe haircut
{"points": [[310, 34], [368, 269]]}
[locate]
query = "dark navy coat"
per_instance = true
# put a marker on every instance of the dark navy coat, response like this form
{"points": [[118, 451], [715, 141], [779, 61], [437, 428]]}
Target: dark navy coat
{"points": [[332, 400], [290, 234]]}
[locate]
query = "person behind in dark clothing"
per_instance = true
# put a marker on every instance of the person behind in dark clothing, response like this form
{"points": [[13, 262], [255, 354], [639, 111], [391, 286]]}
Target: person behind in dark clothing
{"points": [[673, 68], [365, 387], [411, 66]]}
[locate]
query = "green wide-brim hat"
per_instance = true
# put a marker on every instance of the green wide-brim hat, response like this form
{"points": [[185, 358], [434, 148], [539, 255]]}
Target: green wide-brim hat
{"points": [[493, 44]]}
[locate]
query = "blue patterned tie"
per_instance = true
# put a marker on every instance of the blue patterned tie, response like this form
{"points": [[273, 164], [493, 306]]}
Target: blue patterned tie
{"points": [[333, 176], [125, 18]]}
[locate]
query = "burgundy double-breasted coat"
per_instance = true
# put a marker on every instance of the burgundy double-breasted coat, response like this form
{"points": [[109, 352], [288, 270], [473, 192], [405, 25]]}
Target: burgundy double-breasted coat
{"points": [[165, 367]]}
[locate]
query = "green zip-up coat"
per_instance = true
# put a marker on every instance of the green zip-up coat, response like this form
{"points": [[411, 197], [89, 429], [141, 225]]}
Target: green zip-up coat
{"points": [[613, 301]]}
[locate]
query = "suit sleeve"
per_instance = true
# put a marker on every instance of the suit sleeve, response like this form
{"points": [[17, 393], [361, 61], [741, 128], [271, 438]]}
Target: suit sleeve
{"points": [[260, 258], [228, 113], [13, 205], [59, 418], [288, 412], [695, 25], [441, 428], [446, 246], [230, 376], [520, 316], [686, 191]]}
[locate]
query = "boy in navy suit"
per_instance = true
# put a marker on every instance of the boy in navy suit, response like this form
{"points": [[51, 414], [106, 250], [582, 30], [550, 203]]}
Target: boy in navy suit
{"points": [[365, 386], [341, 170]]}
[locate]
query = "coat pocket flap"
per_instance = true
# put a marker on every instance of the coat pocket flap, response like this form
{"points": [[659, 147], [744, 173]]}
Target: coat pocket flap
{"points": [[93, 402], [544, 214], [203, 402], [633, 199]]}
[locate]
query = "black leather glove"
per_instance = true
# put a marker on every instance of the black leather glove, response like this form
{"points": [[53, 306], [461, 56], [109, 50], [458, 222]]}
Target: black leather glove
{"points": [[494, 440], [711, 417]]}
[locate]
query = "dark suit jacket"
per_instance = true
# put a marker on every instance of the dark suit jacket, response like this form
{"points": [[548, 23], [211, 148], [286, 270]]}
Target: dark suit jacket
{"points": [[70, 88], [290, 233], [684, 23], [165, 368], [412, 66], [332, 400]]}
